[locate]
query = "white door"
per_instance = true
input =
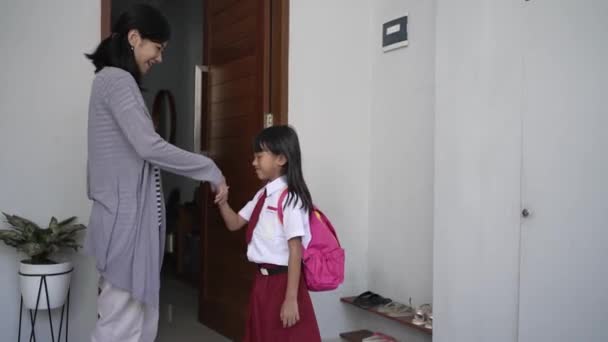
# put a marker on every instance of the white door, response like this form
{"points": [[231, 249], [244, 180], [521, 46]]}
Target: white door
{"points": [[564, 244]]}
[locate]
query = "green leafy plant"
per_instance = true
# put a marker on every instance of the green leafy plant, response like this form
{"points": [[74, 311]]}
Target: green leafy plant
{"points": [[39, 243]]}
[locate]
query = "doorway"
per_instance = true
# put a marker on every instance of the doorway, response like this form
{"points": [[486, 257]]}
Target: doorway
{"points": [[242, 68]]}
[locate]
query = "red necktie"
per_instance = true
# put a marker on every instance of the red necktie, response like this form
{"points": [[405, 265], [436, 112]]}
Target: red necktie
{"points": [[255, 216]]}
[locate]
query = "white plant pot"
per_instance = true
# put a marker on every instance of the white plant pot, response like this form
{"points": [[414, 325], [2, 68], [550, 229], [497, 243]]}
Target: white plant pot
{"points": [[57, 281]]}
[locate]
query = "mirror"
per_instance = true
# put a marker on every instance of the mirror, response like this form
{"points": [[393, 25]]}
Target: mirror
{"points": [[164, 115]]}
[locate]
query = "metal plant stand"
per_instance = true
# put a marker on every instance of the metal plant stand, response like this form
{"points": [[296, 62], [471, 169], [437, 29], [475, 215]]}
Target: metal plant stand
{"points": [[33, 314]]}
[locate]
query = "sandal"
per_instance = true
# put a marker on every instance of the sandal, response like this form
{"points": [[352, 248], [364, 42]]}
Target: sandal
{"points": [[422, 313], [402, 311], [429, 321], [396, 309], [388, 307]]}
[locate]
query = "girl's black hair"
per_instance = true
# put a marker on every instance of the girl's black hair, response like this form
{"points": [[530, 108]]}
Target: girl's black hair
{"points": [[115, 50], [283, 140]]}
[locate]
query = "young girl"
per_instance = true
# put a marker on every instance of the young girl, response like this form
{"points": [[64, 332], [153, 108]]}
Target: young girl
{"points": [[280, 308], [127, 224]]}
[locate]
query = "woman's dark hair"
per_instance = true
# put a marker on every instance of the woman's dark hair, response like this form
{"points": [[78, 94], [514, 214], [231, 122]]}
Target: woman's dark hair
{"points": [[115, 50], [283, 140]]}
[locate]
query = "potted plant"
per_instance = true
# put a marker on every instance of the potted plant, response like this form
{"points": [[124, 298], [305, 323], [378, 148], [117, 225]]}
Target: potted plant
{"points": [[39, 244]]}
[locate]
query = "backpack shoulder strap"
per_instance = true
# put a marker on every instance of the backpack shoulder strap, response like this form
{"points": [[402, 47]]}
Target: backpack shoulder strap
{"points": [[280, 204], [321, 216]]}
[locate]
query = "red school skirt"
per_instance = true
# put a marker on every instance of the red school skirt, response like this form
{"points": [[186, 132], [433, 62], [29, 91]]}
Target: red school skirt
{"points": [[264, 317]]}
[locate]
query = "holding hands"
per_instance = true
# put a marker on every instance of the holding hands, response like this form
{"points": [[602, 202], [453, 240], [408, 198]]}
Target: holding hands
{"points": [[221, 193]]}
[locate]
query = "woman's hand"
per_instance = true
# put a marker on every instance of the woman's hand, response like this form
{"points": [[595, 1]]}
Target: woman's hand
{"points": [[289, 313], [221, 195]]}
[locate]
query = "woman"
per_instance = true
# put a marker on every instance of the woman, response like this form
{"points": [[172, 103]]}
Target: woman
{"points": [[127, 228]]}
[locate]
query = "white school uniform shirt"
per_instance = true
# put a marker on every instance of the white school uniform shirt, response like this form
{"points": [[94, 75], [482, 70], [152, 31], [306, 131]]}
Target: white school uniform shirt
{"points": [[269, 243]]}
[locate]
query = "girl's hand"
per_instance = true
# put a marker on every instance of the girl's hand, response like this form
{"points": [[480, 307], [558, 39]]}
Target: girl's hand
{"points": [[290, 314], [221, 196]]}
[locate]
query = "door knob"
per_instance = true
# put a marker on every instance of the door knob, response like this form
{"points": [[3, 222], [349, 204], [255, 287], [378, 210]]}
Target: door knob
{"points": [[525, 213]]}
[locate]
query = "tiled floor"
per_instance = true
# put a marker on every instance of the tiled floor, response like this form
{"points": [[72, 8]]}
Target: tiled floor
{"points": [[178, 321]]}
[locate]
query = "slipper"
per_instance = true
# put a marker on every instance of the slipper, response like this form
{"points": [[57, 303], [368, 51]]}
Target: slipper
{"points": [[373, 301], [363, 297], [379, 337], [368, 300]]}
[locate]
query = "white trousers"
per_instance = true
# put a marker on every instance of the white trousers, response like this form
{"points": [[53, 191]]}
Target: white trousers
{"points": [[122, 318]]}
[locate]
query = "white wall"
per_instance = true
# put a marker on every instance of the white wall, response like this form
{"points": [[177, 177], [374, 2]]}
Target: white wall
{"points": [[477, 170], [176, 73], [329, 105], [342, 101], [402, 163], [44, 91], [366, 122], [400, 229]]}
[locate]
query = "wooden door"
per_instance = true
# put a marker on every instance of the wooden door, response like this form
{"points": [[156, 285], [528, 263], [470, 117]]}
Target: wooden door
{"points": [[237, 50]]}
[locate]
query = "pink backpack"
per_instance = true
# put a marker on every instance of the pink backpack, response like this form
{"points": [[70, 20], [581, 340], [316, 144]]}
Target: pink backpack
{"points": [[323, 259]]}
